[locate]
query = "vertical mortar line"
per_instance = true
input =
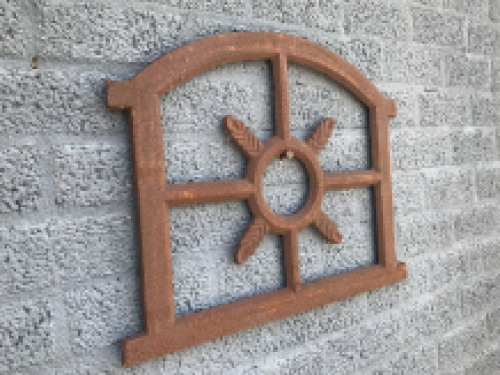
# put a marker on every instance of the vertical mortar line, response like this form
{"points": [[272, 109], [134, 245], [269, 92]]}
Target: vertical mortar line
{"points": [[291, 257], [281, 96], [61, 324], [153, 215]]}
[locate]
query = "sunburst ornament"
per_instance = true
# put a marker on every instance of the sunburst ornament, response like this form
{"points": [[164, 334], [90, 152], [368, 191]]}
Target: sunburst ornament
{"points": [[265, 220]]}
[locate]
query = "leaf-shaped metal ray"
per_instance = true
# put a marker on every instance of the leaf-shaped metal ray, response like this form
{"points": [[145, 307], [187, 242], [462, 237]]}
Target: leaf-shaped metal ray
{"points": [[327, 228], [320, 135], [242, 136], [251, 239]]}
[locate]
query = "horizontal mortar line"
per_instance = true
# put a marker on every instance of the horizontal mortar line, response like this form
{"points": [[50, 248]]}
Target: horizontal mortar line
{"points": [[61, 139], [68, 65], [68, 214]]}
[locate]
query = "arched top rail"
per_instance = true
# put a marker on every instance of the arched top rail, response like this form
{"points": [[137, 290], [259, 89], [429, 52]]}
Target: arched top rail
{"points": [[192, 59]]}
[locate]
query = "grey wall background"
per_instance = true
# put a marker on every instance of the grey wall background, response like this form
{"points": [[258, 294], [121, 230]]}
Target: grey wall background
{"points": [[69, 256]]}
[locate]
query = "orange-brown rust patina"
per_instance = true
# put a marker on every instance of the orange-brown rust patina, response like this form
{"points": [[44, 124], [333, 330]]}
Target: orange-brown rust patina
{"points": [[163, 332]]}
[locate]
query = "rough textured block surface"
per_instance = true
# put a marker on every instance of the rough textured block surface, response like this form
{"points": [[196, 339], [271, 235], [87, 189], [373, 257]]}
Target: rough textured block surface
{"points": [[420, 360], [442, 29], [461, 344], [483, 39], [405, 63], [414, 149], [376, 18], [20, 178], [90, 247], [101, 313], [91, 175], [16, 36], [443, 110], [466, 72], [488, 363], [48, 101], [26, 259], [320, 14], [27, 334], [469, 7]]}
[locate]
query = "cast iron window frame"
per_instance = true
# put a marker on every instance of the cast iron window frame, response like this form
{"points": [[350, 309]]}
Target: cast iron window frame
{"points": [[163, 331]]}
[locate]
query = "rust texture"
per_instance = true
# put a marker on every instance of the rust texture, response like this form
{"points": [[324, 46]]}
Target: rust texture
{"points": [[163, 332]]}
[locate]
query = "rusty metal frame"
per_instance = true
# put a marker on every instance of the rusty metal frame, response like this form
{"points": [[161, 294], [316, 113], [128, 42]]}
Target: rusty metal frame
{"points": [[163, 332]]}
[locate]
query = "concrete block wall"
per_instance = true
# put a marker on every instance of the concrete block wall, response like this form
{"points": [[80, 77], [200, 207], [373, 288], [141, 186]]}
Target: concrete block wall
{"points": [[69, 280]]}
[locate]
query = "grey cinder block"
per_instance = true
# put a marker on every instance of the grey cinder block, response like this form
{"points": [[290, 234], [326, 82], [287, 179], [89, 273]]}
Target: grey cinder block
{"points": [[407, 105], [380, 335], [92, 174], [20, 178], [490, 253], [467, 72], [26, 258], [27, 334], [93, 246], [431, 27], [494, 11], [493, 324], [286, 200], [16, 38], [136, 32], [408, 191], [341, 352], [262, 272], [54, 101], [485, 364], [461, 344], [475, 222], [483, 39], [449, 187], [479, 294], [414, 149], [473, 145], [319, 14], [314, 96], [366, 55], [194, 281], [376, 18], [488, 185], [419, 360], [420, 233], [102, 312], [469, 7], [405, 63], [431, 315], [485, 110], [440, 109], [214, 227]]}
